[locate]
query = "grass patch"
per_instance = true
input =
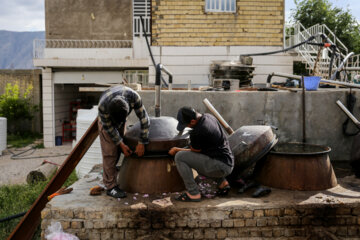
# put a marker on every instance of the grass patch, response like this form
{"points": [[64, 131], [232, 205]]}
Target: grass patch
{"points": [[15, 199], [23, 139]]}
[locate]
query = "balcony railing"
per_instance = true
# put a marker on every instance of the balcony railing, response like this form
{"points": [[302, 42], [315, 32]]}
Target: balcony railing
{"points": [[41, 44]]}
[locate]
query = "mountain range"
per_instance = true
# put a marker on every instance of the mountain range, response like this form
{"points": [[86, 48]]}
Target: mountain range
{"points": [[16, 49]]}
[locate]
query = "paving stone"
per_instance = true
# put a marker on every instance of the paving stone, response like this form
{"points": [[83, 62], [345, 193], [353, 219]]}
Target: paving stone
{"points": [[255, 233], [130, 234], [239, 222], [76, 224], [278, 232], [93, 215], [274, 212], [119, 234], [99, 224], [261, 222], [46, 213], [94, 236], [227, 223], [238, 213], [221, 233], [288, 232], [341, 231], [79, 214], [65, 224], [106, 236], [88, 224], [181, 223], [204, 224], [169, 224], [198, 233], [215, 224], [266, 233], [193, 223], [188, 234], [177, 234], [122, 224], [290, 211], [352, 231], [209, 233], [258, 213], [231, 232], [250, 222], [272, 221], [343, 211], [356, 211]]}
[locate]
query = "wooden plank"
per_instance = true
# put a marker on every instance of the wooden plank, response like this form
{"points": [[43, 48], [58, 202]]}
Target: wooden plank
{"points": [[27, 226]]}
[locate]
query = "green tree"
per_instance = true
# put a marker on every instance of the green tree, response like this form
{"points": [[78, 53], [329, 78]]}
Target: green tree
{"points": [[340, 21], [16, 108]]}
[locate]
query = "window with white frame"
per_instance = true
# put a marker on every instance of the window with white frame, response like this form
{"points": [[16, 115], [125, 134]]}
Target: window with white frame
{"points": [[220, 5]]}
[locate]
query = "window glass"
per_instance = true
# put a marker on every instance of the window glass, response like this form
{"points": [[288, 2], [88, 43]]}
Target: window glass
{"points": [[220, 5]]}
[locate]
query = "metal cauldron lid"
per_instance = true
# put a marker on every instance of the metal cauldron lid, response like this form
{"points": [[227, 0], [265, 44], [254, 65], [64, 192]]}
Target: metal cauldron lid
{"points": [[161, 128], [299, 149]]}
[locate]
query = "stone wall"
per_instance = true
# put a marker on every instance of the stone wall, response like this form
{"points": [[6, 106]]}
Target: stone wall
{"points": [[297, 222], [88, 19], [25, 78], [185, 23]]}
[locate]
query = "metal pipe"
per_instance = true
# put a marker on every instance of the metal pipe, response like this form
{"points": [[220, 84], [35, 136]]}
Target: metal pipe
{"points": [[303, 110], [286, 75], [348, 113], [222, 121], [341, 65], [157, 90]]}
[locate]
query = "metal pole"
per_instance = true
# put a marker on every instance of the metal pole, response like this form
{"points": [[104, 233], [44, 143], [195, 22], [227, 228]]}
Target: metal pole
{"points": [[303, 110]]}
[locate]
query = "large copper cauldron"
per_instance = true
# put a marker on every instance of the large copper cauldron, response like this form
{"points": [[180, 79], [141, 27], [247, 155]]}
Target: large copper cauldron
{"points": [[156, 171], [297, 166]]}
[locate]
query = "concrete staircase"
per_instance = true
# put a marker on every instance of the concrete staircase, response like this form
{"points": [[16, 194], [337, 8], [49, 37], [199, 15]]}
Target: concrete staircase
{"points": [[317, 60]]}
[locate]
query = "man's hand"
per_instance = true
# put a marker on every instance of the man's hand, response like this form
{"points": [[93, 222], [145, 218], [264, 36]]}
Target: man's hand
{"points": [[140, 149], [125, 149], [174, 150]]}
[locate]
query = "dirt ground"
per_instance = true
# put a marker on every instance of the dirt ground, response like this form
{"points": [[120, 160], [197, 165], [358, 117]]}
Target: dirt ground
{"points": [[14, 171]]}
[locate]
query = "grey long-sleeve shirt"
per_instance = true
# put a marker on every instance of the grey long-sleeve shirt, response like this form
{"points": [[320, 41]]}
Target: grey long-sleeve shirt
{"points": [[134, 101]]}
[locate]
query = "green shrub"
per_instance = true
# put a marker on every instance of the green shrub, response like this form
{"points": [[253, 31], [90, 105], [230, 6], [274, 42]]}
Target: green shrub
{"points": [[16, 108]]}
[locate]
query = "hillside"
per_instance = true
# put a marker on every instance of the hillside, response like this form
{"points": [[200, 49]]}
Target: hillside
{"points": [[16, 49]]}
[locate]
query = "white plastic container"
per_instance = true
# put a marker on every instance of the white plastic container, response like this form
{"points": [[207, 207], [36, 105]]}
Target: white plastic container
{"points": [[93, 156], [3, 134]]}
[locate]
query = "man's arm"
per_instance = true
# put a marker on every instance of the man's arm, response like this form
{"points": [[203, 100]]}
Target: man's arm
{"points": [[144, 121], [108, 127], [174, 150]]}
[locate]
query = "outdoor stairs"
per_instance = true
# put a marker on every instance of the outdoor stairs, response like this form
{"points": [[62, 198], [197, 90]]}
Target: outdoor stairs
{"points": [[310, 55]]}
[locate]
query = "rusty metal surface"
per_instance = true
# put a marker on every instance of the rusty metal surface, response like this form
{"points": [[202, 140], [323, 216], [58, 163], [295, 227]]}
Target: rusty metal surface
{"points": [[248, 141], [27, 226], [308, 172], [162, 135], [149, 175]]}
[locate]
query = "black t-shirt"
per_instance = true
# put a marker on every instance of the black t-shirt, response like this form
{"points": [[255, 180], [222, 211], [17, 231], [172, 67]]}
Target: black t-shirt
{"points": [[209, 137]]}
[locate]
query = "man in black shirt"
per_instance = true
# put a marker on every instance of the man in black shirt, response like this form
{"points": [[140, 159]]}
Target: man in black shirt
{"points": [[209, 153]]}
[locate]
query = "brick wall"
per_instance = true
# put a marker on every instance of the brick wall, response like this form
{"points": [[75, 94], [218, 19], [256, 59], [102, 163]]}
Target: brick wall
{"points": [[297, 222], [25, 78], [185, 23]]}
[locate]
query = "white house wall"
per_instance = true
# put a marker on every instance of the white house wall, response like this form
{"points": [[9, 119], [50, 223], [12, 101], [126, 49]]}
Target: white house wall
{"points": [[88, 77], [193, 63]]}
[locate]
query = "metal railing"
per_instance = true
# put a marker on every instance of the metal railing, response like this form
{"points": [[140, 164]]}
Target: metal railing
{"points": [[138, 28], [41, 44], [297, 33]]}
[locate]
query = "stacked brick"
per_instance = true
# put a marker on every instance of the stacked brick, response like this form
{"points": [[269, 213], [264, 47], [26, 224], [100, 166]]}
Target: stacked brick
{"points": [[311, 222], [186, 23]]}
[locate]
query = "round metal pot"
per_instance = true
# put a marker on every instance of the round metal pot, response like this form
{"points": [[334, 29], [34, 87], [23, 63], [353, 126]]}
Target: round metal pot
{"points": [[151, 174], [162, 135], [297, 166]]}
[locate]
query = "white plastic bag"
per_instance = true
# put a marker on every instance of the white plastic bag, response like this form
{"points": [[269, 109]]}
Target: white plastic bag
{"points": [[55, 232]]}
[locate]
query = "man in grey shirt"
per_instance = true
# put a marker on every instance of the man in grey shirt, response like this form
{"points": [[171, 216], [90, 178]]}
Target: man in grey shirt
{"points": [[115, 105]]}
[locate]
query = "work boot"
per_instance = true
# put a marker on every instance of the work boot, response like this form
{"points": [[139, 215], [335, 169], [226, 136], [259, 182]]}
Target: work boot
{"points": [[116, 192]]}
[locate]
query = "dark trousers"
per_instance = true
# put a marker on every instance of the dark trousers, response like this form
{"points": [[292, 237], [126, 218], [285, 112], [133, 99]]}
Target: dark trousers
{"points": [[110, 153]]}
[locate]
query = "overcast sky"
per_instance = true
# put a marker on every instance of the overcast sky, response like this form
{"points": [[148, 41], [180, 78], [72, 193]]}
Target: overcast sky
{"points": [[28, 15]]}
